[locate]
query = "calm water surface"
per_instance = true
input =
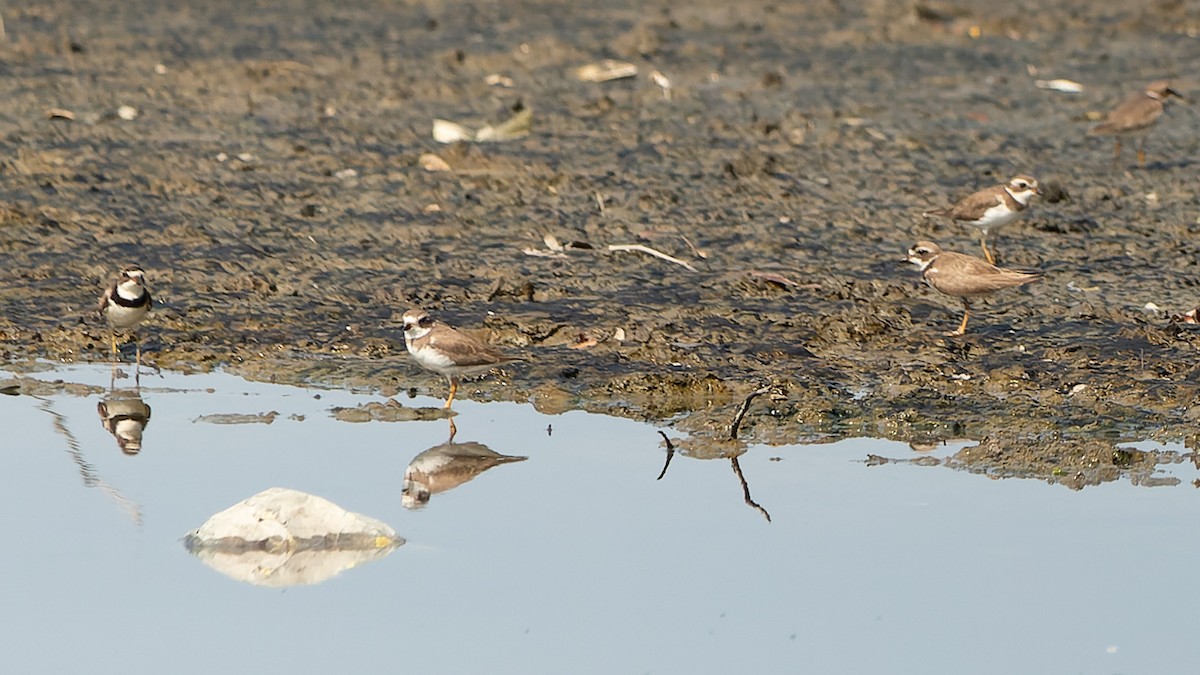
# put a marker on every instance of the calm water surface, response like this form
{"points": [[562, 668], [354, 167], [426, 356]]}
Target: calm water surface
{"points": [[574, 561]]}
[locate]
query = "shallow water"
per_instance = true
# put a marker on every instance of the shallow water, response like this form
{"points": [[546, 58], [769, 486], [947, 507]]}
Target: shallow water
{"points": [[575, 560]]}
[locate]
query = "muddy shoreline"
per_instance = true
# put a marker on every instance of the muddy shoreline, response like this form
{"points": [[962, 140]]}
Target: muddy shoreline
{"points": [[271, 187]]}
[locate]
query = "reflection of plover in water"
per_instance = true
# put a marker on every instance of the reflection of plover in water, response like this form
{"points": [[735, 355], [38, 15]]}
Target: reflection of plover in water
{"points": [[444, 350], [447, 466], [125, 415], [992, 208], [1135, 116], [963, 276], [125, 304]]}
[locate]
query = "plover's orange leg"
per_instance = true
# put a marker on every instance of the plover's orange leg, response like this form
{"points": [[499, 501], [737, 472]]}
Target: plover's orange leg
{"points": [[1117, 150], [986, 252], [1141, 153], [962, 327], [453, 388]]}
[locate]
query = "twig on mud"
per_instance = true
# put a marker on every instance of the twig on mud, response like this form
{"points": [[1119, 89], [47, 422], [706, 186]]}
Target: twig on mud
{"points": [[737, 419], [670, 454], [646, 249], [737, 470], [697, 252], [777, 278]]}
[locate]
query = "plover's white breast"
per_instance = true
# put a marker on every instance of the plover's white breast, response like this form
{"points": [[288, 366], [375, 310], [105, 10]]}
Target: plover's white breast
{"points": [[122, 317], [433, 359]]}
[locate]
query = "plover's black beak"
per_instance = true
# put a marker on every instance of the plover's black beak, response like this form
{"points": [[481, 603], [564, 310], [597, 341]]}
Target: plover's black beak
{"points": [[1172, 92]]}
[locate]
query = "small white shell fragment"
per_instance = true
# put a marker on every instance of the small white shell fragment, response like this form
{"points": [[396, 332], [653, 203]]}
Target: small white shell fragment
{"points": [[662, 81], [221, 157], [432, 208], [445, 131], [517, 126], [498, 80], [551, 242], [60, 113], [345, 173], [431, 162], [1077, 388], [1150, 308], [160, 68], [619, 334], [539, 253], [127, 112], [606, 70], [1068, 86], [245, 157]]}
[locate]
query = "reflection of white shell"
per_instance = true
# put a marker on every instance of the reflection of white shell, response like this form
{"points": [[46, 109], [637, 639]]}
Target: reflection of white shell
{"points": [[282, 537]]}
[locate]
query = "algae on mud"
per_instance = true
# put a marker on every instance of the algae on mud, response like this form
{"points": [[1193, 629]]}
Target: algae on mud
{"points": [[801, 141]]}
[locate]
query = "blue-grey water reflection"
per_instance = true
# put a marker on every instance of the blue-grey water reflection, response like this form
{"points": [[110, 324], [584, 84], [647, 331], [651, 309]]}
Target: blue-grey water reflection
{"points": [[575, 560]]}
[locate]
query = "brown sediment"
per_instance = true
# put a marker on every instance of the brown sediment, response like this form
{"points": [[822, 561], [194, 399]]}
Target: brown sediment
{"points": [[801, 142]]}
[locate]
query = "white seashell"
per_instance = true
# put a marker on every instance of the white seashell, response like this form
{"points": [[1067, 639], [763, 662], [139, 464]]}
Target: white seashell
{"points": [[445, 131], [606, 70], [431, 162], [1068, 86]]}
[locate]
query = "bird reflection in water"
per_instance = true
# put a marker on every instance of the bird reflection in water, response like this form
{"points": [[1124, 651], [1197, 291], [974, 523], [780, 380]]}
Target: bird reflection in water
{"points": [[446, 466], [124, 415]]}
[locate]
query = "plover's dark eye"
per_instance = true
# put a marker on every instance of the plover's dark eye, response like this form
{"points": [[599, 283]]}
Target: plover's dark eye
{"points": [[426, 321]]}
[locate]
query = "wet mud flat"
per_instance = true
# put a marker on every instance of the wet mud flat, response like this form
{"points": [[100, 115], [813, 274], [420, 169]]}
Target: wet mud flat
{"points": [[271, 185]]}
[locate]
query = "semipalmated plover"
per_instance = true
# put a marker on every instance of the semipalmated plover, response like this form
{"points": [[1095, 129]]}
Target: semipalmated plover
{"points": [[444, 350], [963, 276], [1135, 116], [992, 208], [124, 304]]}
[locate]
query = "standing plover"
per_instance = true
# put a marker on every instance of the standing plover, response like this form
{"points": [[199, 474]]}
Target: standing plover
{"points": [[992, 208], [125, 304], [963, 276], [444, 350], [1135, 116]]}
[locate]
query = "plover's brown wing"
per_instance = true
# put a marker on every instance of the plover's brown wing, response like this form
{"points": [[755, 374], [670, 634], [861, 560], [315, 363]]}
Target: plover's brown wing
{"points": [[466, 351], [973, 206], [964, 275], [1135, 114]]}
